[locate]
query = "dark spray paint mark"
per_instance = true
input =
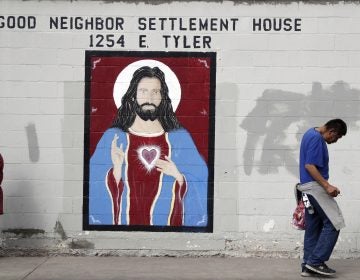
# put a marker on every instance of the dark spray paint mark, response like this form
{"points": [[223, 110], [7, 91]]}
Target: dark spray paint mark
{"points": [[33, 144]]}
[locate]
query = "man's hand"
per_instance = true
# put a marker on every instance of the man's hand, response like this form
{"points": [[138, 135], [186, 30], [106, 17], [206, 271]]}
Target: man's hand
{"points": [[332, 190], [117, 157], [168, 167], [314, 172]]}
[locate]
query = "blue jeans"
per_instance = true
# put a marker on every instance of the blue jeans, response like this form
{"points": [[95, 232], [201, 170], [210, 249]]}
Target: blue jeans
{"points": [[320, 235]]}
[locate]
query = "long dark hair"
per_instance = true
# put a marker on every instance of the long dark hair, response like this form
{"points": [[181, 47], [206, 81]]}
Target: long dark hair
{"points": [[125, 116]]}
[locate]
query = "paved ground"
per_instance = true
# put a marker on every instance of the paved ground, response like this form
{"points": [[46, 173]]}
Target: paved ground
{"points": [[102, 268]]}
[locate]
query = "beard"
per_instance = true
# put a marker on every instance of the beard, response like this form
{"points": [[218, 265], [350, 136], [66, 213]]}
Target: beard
{"points": [[147, 111]]}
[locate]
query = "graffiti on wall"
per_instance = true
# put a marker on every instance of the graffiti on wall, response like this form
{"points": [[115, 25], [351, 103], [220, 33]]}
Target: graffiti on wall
{"points": [[149, 141]]}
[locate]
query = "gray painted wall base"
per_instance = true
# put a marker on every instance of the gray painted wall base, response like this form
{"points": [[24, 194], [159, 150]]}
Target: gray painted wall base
{"points": [[41, 245]]}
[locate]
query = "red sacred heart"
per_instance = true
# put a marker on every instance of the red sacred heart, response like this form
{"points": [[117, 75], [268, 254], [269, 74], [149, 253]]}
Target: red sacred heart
{"points": [[148, 155]]}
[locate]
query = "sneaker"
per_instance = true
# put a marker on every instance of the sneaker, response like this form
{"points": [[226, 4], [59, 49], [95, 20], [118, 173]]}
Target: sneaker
{"points": [[305, 272], [333, 270], [322, 269]]}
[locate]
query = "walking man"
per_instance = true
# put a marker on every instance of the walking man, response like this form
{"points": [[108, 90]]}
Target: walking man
{"points": [[323, 217]]}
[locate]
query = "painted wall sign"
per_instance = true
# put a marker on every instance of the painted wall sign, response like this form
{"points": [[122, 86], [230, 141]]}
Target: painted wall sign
{"points": [[170, 32], [149, 141]]}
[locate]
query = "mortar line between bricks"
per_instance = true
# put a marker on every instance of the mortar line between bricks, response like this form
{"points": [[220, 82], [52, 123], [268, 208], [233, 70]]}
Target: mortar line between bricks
{"points": [[35, 268]]}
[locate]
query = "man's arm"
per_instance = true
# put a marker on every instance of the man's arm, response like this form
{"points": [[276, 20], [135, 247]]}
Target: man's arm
{"points": [[314, 172]]}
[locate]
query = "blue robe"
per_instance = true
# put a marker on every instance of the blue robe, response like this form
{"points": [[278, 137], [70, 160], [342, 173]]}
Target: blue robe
{"points": [[186, 158]]}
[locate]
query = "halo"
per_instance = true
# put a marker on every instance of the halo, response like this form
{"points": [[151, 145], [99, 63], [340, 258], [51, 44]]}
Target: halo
{"points": [[123, 81]]}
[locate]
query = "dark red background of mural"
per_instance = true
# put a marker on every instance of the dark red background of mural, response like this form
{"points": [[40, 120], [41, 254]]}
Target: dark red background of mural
{"points": [[193, 110]]}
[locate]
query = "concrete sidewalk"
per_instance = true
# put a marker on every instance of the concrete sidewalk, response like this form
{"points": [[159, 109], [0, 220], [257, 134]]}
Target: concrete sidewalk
{"points": [[76, 268]]}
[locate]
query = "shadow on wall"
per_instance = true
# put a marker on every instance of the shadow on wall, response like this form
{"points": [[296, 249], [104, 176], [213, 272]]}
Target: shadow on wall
{"points": [[33, 143], [279, 114]]}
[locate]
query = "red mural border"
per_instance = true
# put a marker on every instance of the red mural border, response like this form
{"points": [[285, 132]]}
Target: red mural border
{"points": [[196, 111]]}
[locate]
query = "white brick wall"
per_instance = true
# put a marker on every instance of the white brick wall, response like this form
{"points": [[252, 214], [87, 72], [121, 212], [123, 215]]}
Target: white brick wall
{"points": [[270, 87]]}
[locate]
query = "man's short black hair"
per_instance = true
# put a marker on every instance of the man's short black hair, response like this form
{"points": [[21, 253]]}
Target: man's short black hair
{"points": [[338, 125]]}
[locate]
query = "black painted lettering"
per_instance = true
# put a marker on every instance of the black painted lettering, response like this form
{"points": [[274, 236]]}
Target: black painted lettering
{"points": [[63, 22], [119, 23], [176, 38], [99, 23], [89, 23], [234, 20], [109, 23], [203, 24], [207, 41], [213, 24], [21, 23], [267, 24], [142, 23], [54, 23], [18, 22], [181, 27], [32, 22], [91, 41], [166, 37], [162, 20], [192, 24], [152, 23], [224, 24], [78, 23], [142, 41], [277, 24], [185, 42], [297, 24], [196, 42], [121, 41], [110, 42], [256, 24], [172, 20], [287, 24], [11, 22]]}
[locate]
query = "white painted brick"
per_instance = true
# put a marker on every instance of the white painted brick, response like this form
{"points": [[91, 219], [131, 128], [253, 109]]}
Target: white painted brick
{"points": [[27, 188], [225, 206], [46, 40], [271, 58], [73, 172], [346, 25], [72, 123], [28, 89], [309, 25], [226, 190], [270, 190], [247, 223], [347, 42], [42, 204], [29, 221], [270, 87], [27, 56], [236, 58], [14, 139], [16, 39], [228, 142], [70, 57], [277, 207], [354, 58], [77, 205], [225, 223], [72, 188], [71, 222], [35, 172], [71, 89], [20, 73]]}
